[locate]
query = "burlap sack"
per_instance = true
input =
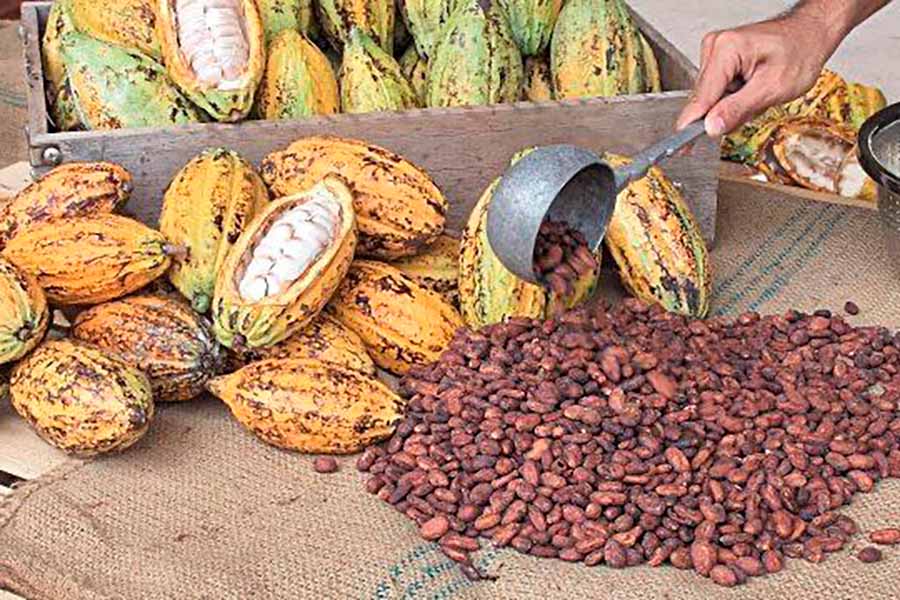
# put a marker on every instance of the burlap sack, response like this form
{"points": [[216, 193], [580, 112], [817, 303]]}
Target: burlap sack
{"points": [[201, 509]]}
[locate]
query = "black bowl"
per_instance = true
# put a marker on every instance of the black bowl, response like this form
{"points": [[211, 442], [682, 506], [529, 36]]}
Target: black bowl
{"points": [[880, 135]]}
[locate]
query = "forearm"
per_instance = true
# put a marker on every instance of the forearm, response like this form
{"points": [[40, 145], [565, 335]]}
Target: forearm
{"points": [[838, 17]]}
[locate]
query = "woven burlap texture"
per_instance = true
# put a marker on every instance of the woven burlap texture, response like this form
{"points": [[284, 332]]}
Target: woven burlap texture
{"points": [[201, 509]]}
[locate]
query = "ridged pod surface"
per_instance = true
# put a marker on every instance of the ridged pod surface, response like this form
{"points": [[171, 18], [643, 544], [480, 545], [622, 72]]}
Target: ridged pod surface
{"points": [[162, 337], [89, 260], [218, 61], [24, 315], [273, 283], [401, 323], [112, 88], [436, 268], [325, 339], [596, 51], [657, 245], [475, 62], [538, 85], [309, 405], [371, 80], [286, 15], [532, 23], [70, 190], [60, 103], [80, 399], [207, 206], [399, 209], [425, 19], [415, 69], [299, 81], [127, 23], [375, 17]]}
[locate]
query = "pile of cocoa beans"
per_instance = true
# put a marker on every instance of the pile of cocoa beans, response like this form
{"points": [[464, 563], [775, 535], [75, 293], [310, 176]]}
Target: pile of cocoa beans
{"points": [[629, 435], [562, 256]]}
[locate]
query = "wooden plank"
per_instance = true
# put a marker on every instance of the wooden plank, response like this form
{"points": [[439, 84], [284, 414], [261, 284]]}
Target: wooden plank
{"points": [[14, 178], [22, 452], [34, 72]]}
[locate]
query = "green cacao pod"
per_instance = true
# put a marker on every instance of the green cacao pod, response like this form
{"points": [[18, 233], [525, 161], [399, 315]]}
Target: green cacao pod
{"points": [[415, 69], [424, 19], [298, 81], [207, 206], [61, 104], [538, 83], [24, 315], [532, 22], [286, 15], [475, 60], [127, 23], [374, 17], [371, 80]]}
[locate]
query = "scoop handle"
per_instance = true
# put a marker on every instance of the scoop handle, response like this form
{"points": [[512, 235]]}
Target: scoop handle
{"points": [[660, 151]]}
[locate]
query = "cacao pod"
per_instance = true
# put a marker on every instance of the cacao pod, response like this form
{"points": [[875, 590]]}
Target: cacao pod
{"points": [[285, 266], [286, 15], [299, 81], [436, 268], [425, 19], [538, 83], [371, 80], [863, 102], [69, 190], [415, 69], [209, 203], [398, 207], [531, 23], [325, 339], [80, 399], [215, 52], [656, 242], [811, 151], [162, 337], [374, 17], [113, 88], [852, 181], [475, 59], [60, 103], [24, 315], [127, 23], [89, 260], [309, 405], [652, 77], [401, 323]]}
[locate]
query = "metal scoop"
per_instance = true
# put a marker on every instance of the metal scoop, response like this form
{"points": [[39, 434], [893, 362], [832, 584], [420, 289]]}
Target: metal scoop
{"points": [[569, 184]]}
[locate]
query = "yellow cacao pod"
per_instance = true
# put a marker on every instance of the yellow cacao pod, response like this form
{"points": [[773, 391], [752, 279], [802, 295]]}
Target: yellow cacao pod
{"points": [[89, 260], [60, 103], [538, 85], [531, 23], [162, 337], [80, 399], [864, 101], [127, 23], [398, 207], [371, 80], [24, 315], [374, 17], [70, 190], [286, 15], [436, 268], [415, 69], [401, 323], [205, 209], [285, 266], [309, 405], [652, 77]]}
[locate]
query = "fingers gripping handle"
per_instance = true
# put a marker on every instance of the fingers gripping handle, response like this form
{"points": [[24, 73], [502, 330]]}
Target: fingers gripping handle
{"points": [[642, 162]]}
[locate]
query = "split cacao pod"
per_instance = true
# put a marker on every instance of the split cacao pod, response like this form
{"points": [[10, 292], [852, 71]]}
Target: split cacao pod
{"points": [[80, 399], [286, 15], [657, 245], [415, 69], [209, 203], [24, 315], [436, 268], [127, 23], [374, 17], [401, 323], [532, 23], [398, 207], [425, 19], [538, 85], [285, 266], [89, 260], [215, 52], [299, 81], [162, 337], [371, 80], [475, 61], [60, 103], [309, 405], [69, 190]]}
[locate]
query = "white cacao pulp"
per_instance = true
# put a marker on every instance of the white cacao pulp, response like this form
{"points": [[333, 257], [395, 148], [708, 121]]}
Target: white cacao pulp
{"points": [[213, 39], [816, 157], [292, 243]]}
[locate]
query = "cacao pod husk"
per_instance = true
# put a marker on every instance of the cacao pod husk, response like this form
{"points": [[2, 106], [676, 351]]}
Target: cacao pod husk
{"points": [[310, 405], [863, 102], [225, 90], [324, 339], [538, 85], [475, 61], [811, 150], [652, 77], [436, 268], [401, 323], [89, 260], [206, 207], [415, 69], [425, 19], [162, 337], [127, 23], [70, 190], [399, 209], [24, 315], [532, 23], [374, 17], [60, 103], [254, 306], [657, 245], [286, 15], [371, 80], [299, 81], [80, 399], [851, 181]]}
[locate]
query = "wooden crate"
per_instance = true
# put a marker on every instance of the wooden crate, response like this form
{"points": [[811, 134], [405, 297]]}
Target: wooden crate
{"points": [[462, 148]]}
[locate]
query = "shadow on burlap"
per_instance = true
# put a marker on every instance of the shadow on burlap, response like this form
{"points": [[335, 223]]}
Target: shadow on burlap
{"points": [[201, 509]]}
